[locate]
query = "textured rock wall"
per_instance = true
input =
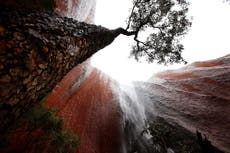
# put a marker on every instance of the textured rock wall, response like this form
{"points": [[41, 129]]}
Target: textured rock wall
{"points": [[81, 10], [78, 9], [90, 109], [196, 97]]}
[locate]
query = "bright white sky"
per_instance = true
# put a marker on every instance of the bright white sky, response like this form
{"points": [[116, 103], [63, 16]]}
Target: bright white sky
{"points": [[208, 38]]}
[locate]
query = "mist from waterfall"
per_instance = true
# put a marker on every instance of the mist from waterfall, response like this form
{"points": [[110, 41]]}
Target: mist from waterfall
{"points": [[130, 104], [78, 9], [135, 101]]}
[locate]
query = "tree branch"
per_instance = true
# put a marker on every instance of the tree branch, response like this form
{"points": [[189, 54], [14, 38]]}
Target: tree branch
{"points": [[124, 32], [129, 20], [135, 38], [138, 46]]}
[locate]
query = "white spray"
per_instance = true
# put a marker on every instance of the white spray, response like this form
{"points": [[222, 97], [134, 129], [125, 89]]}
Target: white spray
{"points": [[130, 104], [76, 10]]}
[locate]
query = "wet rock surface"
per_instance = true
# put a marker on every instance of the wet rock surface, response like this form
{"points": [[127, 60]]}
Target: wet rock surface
{"points": [[196, 97], [90, 109], [77, 9], [163, 137]]}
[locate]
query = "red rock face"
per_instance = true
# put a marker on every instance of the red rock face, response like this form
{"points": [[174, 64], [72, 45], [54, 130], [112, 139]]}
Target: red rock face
{"points": [[89, 109], [78, 9], [198, 97], [85, 100]]}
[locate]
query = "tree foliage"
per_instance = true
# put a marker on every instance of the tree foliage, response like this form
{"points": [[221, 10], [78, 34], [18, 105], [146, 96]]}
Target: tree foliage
{"points": [[226, 1], [53, 138], [167, 22], [43, 131]]}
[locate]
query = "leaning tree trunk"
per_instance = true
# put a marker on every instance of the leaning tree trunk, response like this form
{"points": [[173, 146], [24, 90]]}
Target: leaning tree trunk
{"points": [[36, 51]]}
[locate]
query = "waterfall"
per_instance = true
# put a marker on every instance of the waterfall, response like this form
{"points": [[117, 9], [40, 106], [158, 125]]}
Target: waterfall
{"points": [[131, 106], [76, 8], [134, 118]]}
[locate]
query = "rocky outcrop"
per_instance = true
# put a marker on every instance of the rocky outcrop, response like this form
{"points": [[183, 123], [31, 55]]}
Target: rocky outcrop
{"points": [[196, 97], [77, 9], [37, 50], [90, 109]]}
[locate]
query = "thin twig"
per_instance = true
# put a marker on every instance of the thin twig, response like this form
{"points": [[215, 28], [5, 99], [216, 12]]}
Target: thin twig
{"points": [[131, 15]]}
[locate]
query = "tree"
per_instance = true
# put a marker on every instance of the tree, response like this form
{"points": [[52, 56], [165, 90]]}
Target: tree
{"points": [[167, 22], [37, 49]]}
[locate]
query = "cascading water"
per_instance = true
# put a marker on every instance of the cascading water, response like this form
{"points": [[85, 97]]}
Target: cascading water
{"points": [[134, 118], [80, 6], [133, 110], [130, 104], [77, 9], [137, 101], [195, 98]]}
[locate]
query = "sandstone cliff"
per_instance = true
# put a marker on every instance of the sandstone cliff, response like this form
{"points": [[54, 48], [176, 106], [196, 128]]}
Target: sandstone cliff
{"points": [[196, 97], [90, 109], [77, 9]]}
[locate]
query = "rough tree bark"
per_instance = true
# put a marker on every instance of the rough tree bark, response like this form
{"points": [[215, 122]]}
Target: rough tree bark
{"points": [[36, 51]]}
